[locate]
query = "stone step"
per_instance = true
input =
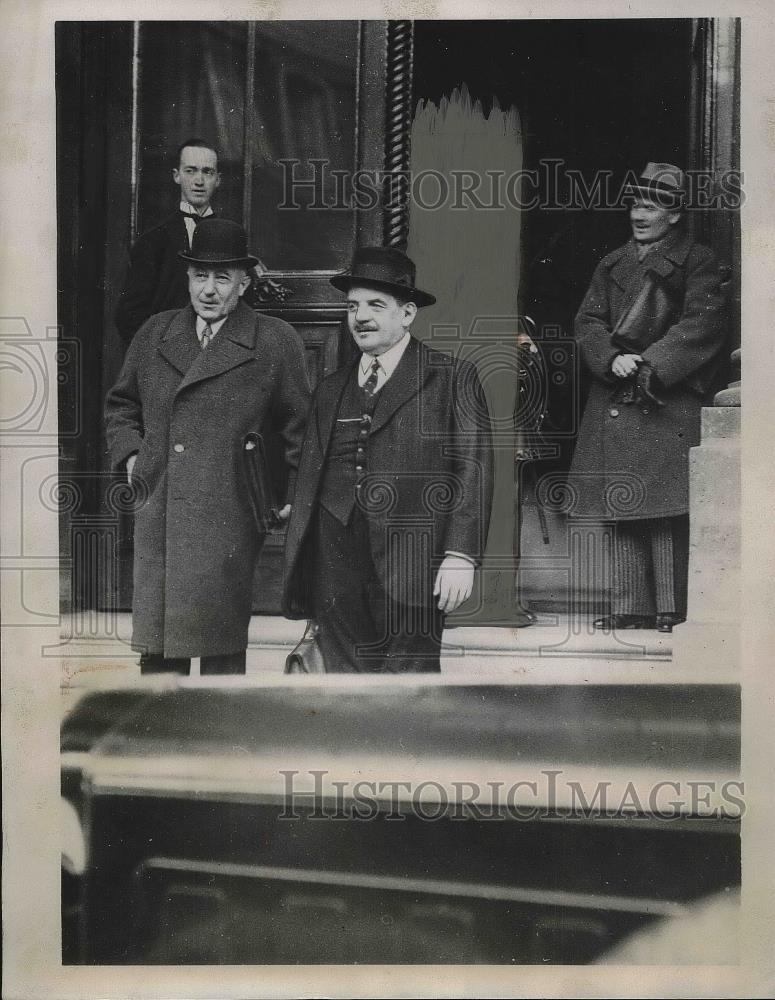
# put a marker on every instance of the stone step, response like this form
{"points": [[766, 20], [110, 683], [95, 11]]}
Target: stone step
{"points": [[556, 650]]}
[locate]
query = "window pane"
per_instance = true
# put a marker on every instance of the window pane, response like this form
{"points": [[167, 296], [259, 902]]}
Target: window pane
{"points": [[191, 84], [304, 108]]}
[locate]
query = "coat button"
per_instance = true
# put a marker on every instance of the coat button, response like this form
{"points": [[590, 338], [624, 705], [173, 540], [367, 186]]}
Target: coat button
{"points": [[645, 410], [614, 413], [179, 447], [359, 468]]}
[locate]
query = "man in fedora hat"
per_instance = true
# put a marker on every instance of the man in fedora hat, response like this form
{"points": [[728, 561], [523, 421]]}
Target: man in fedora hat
{"points": [[156, 277], [394, 487], [650, 330], [195, 382]]}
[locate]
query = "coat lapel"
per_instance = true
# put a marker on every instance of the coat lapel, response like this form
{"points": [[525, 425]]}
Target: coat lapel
{"points": [[328, 407], [628, 272], [178, 343], [233, 345], [626, 267], [673, 252], [176, 227], [405, 382]]}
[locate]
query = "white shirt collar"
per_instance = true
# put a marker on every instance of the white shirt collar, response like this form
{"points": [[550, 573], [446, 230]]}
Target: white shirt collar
{"points": [[202, 323], [188, 209], [388, 359]]}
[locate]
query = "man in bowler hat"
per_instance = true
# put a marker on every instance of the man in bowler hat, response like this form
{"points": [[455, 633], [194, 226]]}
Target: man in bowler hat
{"points": [[650, 330], [195, 383], [395, 484]]}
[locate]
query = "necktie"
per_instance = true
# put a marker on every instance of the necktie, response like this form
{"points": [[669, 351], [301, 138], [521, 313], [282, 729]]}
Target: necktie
{"points": [[194, 216], [207, 336], [370, 385]]}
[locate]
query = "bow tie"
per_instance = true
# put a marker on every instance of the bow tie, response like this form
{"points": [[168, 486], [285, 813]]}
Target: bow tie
{"points": [[196, 219]]}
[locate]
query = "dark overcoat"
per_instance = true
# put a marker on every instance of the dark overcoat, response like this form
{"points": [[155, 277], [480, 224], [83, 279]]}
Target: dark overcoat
{"points": [[185, 412], [428, 482], [156, 279], [632, 460]]}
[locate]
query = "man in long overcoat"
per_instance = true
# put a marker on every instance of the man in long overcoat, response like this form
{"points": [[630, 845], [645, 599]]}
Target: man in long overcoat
{"points": [[194, 384], [650, 330], [395, 484]]}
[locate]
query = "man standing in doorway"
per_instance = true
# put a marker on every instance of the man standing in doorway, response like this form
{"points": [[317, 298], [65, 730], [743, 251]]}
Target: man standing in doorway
{"points": [[156, 279], [394, 487], [650, 331], [196, 382]]}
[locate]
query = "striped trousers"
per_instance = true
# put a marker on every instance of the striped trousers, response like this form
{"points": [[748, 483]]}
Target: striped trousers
{"points": [[651, 566]]}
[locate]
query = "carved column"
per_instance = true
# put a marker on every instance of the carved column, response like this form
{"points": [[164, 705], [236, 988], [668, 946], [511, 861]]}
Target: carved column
{"points": [[398, 126]]}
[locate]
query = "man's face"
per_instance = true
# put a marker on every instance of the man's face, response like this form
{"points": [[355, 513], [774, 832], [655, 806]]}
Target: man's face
{"points": [[376, 319], [197, 175], [650, 222], [215, 292]]}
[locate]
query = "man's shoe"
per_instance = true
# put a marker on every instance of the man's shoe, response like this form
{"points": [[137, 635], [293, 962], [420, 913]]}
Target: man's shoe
{"points": [[623, 621], [666, 622]]}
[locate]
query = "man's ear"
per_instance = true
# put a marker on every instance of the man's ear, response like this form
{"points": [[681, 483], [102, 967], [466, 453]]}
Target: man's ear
{"points": [[245, 281], [410, 311], [217, 178], [674, 218], [176, 175]]}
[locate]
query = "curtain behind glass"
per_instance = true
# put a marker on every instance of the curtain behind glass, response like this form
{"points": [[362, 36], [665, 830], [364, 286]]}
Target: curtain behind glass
{"points": [[304, 109], [191, 84]]}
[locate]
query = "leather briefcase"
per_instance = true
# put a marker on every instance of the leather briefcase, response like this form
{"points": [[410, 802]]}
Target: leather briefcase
{"points": [[263, 502], [307, 657]]}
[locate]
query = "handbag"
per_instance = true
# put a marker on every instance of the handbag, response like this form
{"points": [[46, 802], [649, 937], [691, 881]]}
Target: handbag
{"points": [[307, 657]]}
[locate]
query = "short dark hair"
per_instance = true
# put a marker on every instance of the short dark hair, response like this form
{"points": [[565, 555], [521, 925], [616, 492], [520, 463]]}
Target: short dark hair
{"points": [[199, 144]]}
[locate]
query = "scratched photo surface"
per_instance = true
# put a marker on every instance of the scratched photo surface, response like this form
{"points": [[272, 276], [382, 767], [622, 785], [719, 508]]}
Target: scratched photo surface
{"points": [[387, 430]]}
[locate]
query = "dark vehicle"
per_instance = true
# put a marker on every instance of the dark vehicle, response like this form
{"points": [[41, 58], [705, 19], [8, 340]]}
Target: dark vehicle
{"points": [[395, 823]]}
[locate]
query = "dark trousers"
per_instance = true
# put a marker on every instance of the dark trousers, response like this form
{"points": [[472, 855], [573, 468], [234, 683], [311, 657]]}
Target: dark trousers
{"points": [[228, 663], [362, 630], [651, 566]]}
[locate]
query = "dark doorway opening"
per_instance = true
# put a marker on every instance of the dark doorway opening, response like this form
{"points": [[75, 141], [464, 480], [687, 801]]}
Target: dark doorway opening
{"points": [[593, 97]]}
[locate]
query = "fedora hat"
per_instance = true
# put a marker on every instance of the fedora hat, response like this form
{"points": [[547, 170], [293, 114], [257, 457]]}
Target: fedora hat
{"points": [[663, 183], [385, 268], [219, 242]]}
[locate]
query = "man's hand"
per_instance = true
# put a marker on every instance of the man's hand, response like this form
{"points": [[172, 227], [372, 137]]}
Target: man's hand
{"points": [[625, 365], [130, 464], [454, 583], [285, 513]]}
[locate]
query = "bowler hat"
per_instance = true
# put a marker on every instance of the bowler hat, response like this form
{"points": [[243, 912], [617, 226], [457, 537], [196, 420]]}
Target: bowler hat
{"points": [[385, 268], [221, 242], [663, 183]]}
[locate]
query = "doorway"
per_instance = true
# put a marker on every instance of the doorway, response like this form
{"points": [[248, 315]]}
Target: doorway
{"points": [[589, 97]]}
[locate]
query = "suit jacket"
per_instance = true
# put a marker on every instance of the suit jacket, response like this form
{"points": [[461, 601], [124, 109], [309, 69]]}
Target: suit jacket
{"points": [[428, 483], [632, 461], [156, 279], [186, 412]]}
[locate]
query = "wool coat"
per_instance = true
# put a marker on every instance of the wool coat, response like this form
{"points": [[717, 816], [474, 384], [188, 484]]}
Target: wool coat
{"points": [[156, 278], [186, 412], [632, 459], [428, 475]]}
